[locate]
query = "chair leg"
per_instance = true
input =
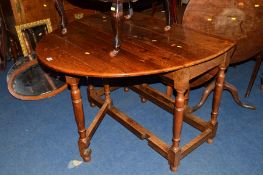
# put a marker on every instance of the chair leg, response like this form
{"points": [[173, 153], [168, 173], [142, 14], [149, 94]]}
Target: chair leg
{"points": [[2, 62], [168, 15], [60, 7], [154, 7], [173, 8], [254, 75], [117, 23], [129, 11], [15, 48]]}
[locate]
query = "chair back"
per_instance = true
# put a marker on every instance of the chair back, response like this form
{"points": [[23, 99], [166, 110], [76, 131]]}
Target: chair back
{"points": [[3, 41]]}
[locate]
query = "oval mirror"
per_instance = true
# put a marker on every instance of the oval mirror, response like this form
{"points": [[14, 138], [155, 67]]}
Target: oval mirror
{"points": [[27, 80]]}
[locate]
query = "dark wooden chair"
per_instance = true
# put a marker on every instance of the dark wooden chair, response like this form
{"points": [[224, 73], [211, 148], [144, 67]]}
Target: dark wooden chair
{"points": [[254, 75], [239, 21], [9, 44], [3, 41], [118, 13]]}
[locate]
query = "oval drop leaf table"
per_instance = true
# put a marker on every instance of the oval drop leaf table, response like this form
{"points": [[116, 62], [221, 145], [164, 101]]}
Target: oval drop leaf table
{"points": [[147, 51]]}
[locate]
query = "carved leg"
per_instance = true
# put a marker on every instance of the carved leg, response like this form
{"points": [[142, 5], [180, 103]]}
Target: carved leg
{"points": [[234, 92], [107, 92], [253, 75], [61, 12], [206, 93], [168, 15], [130, 11], [174, 153], [232, 89], [216, 102], [83, 142], [117, 19]]}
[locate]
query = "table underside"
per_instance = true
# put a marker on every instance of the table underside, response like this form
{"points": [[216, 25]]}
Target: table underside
{"points": [[160, 99]]}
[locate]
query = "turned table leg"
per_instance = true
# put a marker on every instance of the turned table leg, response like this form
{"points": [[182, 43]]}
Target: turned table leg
{"points": [[219, 86], [174, 154], [107, 92], [83, 142]]}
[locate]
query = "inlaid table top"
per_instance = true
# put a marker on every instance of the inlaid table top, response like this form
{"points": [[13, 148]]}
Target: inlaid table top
{"points": [[146, 49]]}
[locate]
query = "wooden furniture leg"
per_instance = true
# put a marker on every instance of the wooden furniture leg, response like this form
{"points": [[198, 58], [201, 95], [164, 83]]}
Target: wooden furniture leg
{"points": [[83, 142], [169, 90], [3, 42], [107, 92], [216, 101], [9, 41], [227, 86], [234, 92], [116, 22], [62, 14], [129, 11], [171, 13], [174, 154], [102, 112], [210, 87], [168, 15], [173, 9], [254, 74], [90, 90], [15, 51], [154, 7]]}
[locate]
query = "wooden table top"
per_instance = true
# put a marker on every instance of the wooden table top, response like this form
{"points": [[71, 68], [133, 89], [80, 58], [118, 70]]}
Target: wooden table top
{"points": [[239, 21], [146, 49]]}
